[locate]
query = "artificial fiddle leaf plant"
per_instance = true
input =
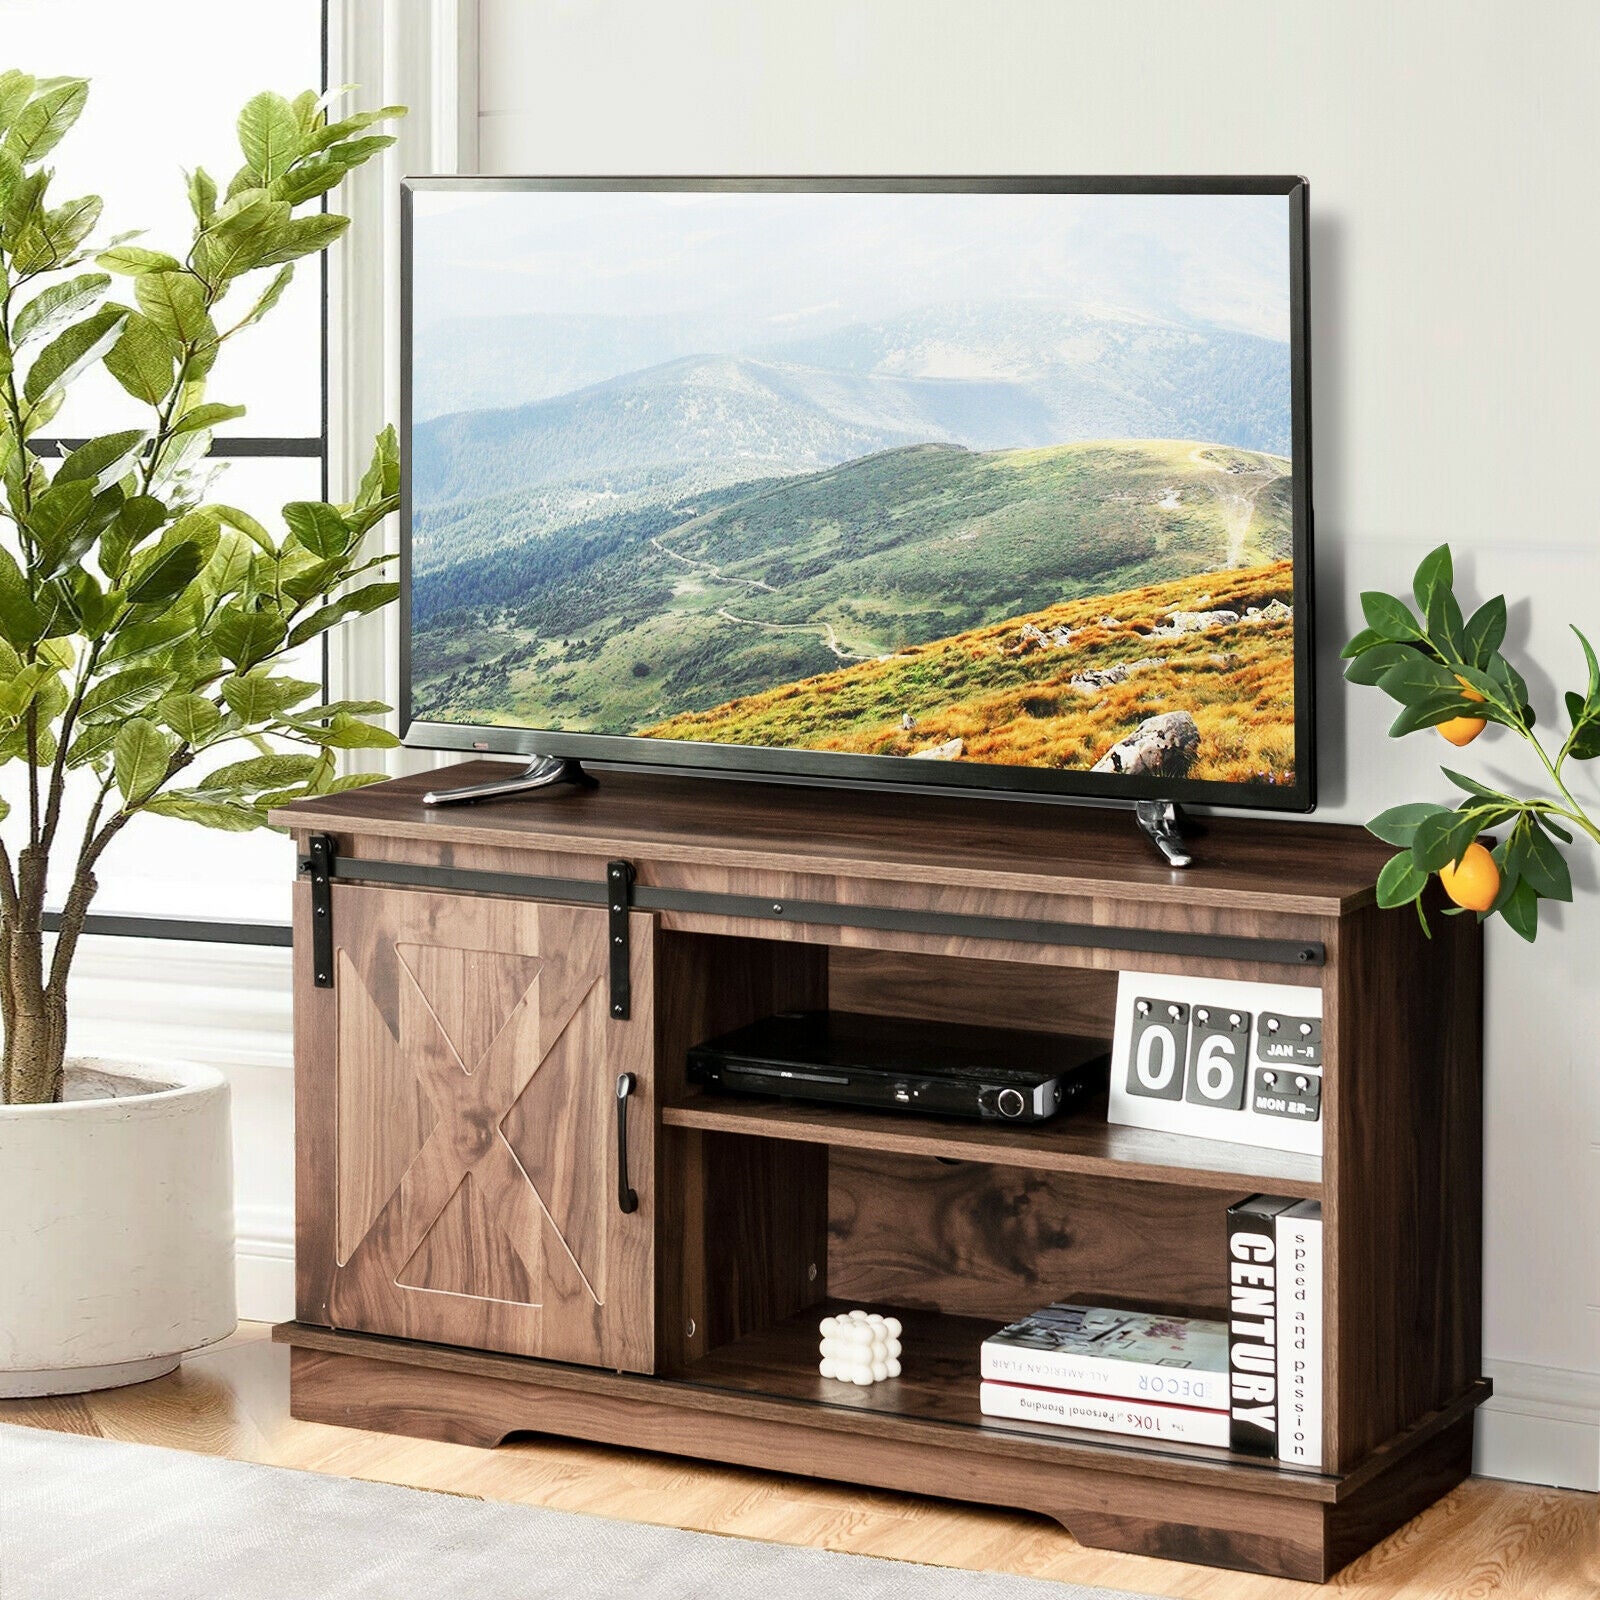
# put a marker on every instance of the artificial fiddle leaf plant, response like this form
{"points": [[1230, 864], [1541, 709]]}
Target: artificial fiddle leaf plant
{"points": [[142, 623], [1447, 671]]}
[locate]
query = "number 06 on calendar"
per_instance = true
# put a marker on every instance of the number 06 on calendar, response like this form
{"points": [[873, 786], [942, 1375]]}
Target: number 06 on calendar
{"points": [[1220, 1060]]}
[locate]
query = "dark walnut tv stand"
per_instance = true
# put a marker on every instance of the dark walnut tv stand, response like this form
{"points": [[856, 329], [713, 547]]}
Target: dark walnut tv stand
{"points": [[515, 1215]]}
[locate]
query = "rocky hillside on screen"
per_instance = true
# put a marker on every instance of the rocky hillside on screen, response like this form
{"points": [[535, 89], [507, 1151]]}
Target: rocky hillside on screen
{"points": [[640, 614]]}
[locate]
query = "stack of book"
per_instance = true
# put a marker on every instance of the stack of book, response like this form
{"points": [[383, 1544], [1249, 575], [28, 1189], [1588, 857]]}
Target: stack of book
{"points": [[1115, 1371], [1252, 1383]]}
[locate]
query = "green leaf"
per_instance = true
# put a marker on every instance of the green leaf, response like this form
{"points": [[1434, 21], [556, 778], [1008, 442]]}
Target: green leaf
{"points": [[176, 303], [1442, 839], [70, 352], [133, 260], [1390, 618], [336, 132], [259, 772], [140, 753], [192, 717], [350, 733], [1520, 910], [248, 526], [1400, 881], [52, 237], [1435, 572], [350, 605], [381, 481], [103, 459], [1472, 786], [168, 575], [202, 195], [1398, 825], [1373, 662], [1365, 640], [236, 241], [15, 89], [206, 416], [1426, 713], [1485, 632], [1414, 677], [41, 124], [1446, 628], [246, 637], [1539, 861], [208, 813], [257, 698], [57, 304], [20, 621], [92, 744], [142, 360], [303, 236], [268, 299], [269, 135], [124, 694], [318, 527], [1593, 664]]}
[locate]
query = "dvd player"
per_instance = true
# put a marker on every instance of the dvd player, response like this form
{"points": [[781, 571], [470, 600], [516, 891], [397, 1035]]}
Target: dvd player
{"points": [[848, 1058]]}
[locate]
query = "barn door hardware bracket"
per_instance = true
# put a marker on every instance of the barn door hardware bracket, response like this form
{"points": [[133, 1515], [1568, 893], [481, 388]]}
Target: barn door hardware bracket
{"points": [[318, 864], [619, 898]]}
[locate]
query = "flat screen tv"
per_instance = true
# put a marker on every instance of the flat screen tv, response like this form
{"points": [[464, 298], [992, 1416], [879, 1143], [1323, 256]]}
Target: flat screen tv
{"points": [[989, 484]]}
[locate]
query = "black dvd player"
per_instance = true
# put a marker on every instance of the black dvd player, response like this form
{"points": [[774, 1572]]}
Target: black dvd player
{"points": [[849, 1058]]}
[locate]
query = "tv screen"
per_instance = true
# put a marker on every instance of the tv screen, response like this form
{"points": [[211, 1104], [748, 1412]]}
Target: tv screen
{"points": [[996, 484]]}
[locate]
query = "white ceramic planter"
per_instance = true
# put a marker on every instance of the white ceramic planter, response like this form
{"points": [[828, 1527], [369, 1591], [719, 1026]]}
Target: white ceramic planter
{"points": [[116, 1230]]}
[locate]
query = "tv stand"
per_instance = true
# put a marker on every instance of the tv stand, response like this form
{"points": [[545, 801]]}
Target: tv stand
{"points": [[1162, 823], [467, 1266], [542, 772]]}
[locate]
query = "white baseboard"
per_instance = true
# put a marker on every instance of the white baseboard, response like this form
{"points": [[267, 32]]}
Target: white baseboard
{"points": [[1541, 1425], [264, 1263]]}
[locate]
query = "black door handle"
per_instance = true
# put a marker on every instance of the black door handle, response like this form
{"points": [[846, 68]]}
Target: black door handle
{"points": [[627, 1200]]}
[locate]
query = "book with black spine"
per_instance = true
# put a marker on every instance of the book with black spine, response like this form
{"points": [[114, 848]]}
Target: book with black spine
{"points": [[1253, 1323], [1300, 1334]]}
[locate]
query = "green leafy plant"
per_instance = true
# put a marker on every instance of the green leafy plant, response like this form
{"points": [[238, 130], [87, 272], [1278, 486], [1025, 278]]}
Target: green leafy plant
{"points": [[1447, 672], [143, 622]]}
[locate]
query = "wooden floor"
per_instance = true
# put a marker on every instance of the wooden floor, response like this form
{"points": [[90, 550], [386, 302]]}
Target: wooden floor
{"points": [[1486, 1541]]}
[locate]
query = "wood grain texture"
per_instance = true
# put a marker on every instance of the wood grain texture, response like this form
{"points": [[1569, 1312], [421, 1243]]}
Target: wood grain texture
{"points": [[1129, 1497], [1244, 863], [1484, 1538], [475, 1188], [1403, 1160], [1003, 994], [1081, 1142], [742, 1236], [999, 1242]]}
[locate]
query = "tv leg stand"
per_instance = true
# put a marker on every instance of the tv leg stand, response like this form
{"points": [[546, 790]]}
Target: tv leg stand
{"points": [[1162, 823], [543, 772]]}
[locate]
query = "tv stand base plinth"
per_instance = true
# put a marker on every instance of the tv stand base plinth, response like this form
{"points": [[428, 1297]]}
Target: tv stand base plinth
{"points": [[543, 772], [1180, 1508]]}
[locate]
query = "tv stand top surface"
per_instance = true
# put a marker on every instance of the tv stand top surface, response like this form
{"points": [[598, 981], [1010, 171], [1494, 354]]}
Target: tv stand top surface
{"points": [[1310, 868]]}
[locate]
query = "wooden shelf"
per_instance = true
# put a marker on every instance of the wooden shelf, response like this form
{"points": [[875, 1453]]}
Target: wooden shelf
{"points": [[1081, 1142], [939, 1384]]}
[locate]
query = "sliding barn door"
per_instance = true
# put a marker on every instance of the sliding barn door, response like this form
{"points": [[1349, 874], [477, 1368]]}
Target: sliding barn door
{"points": [[477, 1186]]}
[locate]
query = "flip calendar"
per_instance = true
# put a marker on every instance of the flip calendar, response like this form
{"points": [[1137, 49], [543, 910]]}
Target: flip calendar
{"points": [[1219, 1059]]}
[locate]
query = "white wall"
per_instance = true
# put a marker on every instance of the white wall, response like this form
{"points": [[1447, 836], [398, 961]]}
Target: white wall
{"points": [[1451, 148]]}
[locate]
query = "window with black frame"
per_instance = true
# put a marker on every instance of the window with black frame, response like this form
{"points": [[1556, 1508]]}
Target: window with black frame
{"points": [[151, 116]]}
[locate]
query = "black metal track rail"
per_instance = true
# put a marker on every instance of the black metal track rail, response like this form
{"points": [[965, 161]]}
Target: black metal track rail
{"points": [[833, 914]]}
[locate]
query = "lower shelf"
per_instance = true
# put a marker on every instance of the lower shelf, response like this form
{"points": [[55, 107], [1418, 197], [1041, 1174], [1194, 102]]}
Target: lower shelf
{"points": [[1116, 1494], [939, 1384]]}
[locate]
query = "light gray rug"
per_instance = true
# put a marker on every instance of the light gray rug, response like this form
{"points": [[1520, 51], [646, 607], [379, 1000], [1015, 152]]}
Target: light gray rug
{"points": [[89, 1517]]}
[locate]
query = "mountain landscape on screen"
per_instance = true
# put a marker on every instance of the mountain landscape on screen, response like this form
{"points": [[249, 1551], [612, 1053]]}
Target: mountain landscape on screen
{"points": [[1018, 491]]}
